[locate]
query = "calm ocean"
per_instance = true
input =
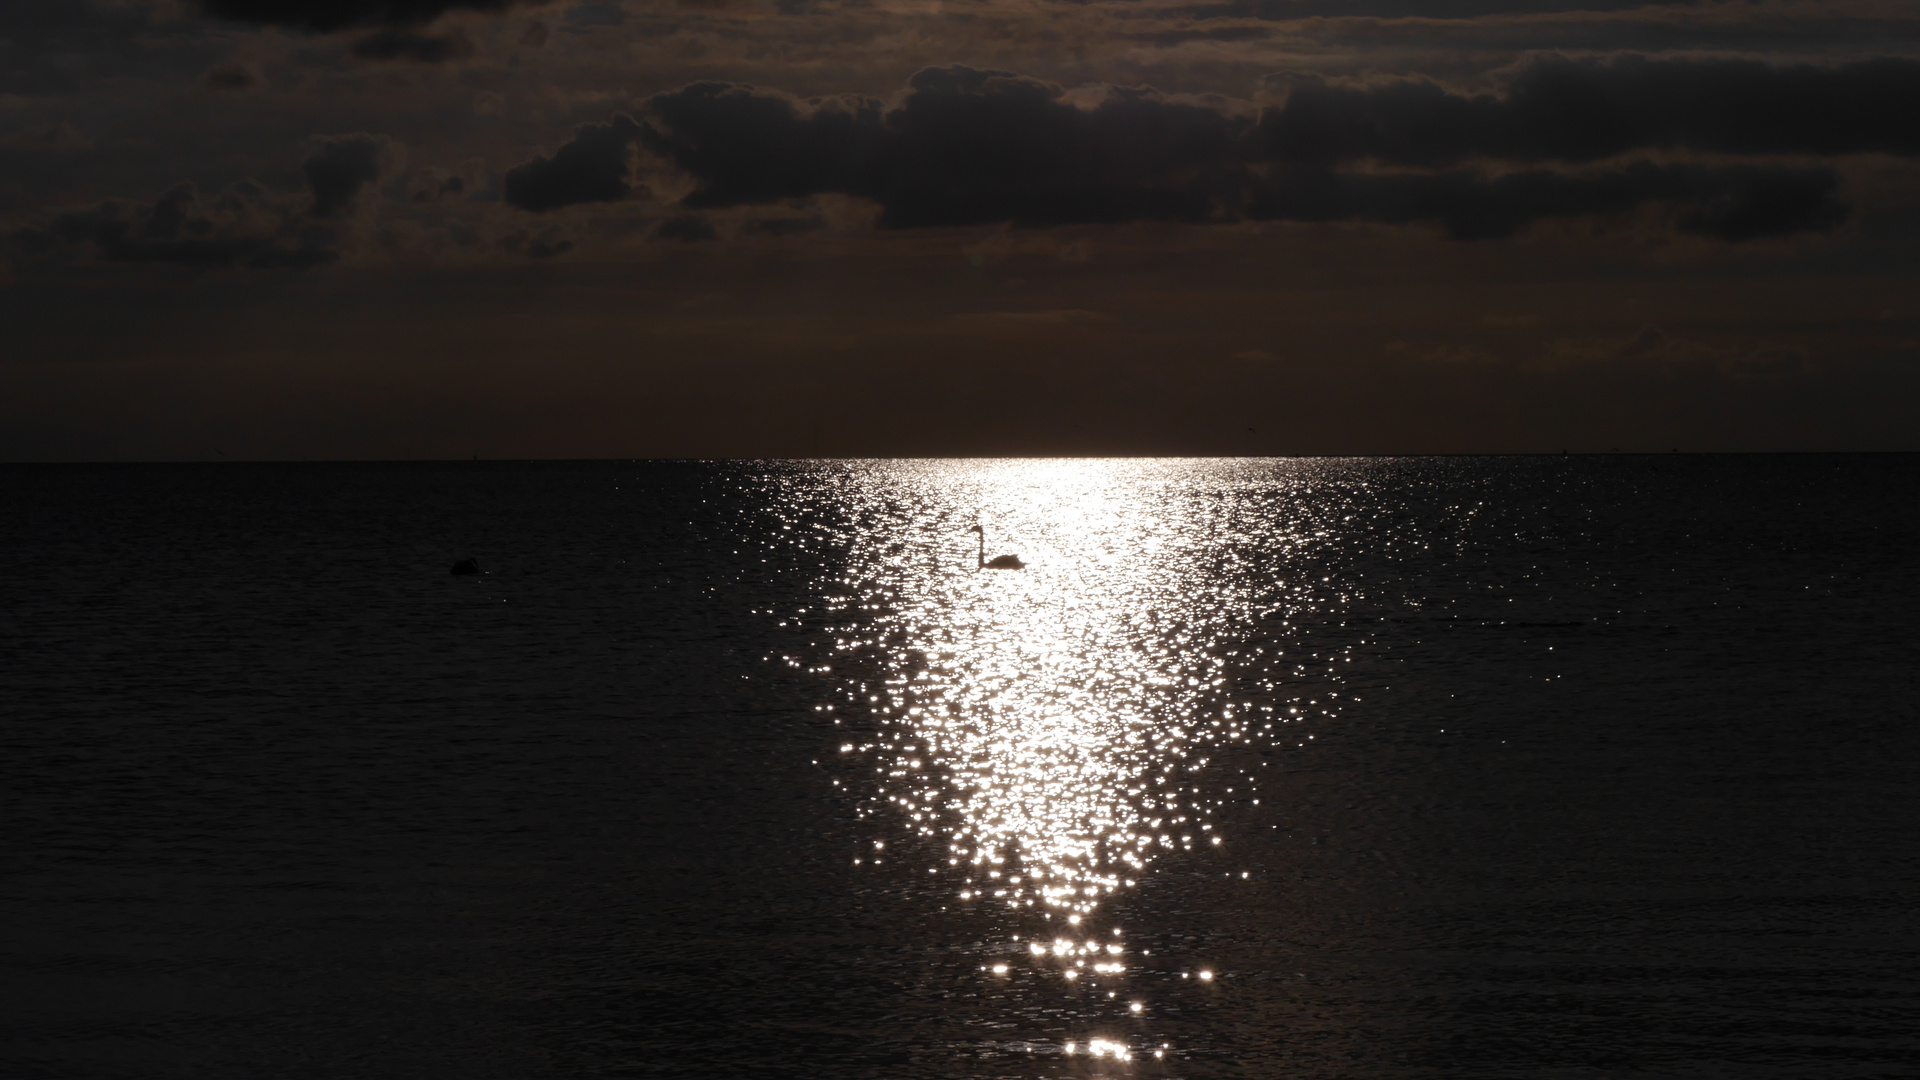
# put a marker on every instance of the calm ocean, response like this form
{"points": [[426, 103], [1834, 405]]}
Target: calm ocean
{"points": [[1409, 767]]}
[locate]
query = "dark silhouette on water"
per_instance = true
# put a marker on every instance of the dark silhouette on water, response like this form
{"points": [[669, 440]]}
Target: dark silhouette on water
{"points": [[998, 562], [467, 566]]}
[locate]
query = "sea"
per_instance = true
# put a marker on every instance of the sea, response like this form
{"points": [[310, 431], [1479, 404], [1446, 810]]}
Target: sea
{"points": [[1470, 767]]}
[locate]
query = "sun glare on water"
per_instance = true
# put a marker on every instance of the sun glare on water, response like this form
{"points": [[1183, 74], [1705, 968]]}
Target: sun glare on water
{"points": [[1048, 730]]}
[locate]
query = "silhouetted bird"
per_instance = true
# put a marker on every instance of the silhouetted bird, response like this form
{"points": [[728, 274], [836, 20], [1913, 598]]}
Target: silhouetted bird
{"points": [[998, 562], [467, 566]]}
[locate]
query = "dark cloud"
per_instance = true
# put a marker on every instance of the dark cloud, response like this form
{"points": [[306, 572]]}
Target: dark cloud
{"points": [[967, 147], [245, 226], [1746, 203], [324, 15], [1723, 29], [594, 167], [1169, 38], [343, 166], [431, 185], [687, 228], [52, 48], [963, 147], [229, 77], [745, 145], [584, 17], [549, 245], [1733, 203], [407, 45], [971, 147], [1649, 339], [1285, 10], [1566, 110], [790, 226], [55, 138]]}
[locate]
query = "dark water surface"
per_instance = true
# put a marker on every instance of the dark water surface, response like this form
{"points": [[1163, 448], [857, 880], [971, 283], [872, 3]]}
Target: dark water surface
{"points": [[1517, 767]]}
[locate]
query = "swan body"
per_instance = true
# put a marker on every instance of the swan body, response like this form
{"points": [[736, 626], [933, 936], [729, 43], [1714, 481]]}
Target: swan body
{"points": [[998, 562]]}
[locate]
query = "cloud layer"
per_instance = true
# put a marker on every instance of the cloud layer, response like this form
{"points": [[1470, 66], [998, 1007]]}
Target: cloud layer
{"points": [[323, 15], [965, 146], [246, 225], [1584, 110]]}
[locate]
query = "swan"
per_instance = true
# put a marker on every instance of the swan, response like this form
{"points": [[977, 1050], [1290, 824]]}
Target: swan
{"points": [[998, 562]]}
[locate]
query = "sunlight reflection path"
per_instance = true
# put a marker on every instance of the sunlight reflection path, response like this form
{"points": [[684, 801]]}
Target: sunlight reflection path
{"points": [[1049, 730], [1050, 722]]}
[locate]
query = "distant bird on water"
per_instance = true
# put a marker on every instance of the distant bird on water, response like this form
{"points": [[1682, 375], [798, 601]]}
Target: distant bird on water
{"points": [[467, 566], [998, 562]]}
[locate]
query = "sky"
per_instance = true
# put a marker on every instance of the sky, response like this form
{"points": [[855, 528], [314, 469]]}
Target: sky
{"points": [[402, 229]]}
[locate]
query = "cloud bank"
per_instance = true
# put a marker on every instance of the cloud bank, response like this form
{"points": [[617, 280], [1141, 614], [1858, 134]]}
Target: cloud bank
{"points": [[965, 146], [325, 15], [1584, 110], [245, 225]]}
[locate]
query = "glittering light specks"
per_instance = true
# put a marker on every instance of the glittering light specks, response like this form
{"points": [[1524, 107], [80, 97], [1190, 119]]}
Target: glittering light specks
{"points": [[1050, 725], [1047, 734]]}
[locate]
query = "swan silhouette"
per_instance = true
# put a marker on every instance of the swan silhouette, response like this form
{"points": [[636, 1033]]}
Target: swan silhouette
{"points": [[998, 562]]}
